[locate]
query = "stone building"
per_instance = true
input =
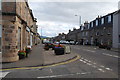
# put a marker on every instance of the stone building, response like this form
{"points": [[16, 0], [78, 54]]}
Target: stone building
{"points": [[72, 35], [98, 31], [101, 30], [19, 29], [60, 37], [83, 34]]}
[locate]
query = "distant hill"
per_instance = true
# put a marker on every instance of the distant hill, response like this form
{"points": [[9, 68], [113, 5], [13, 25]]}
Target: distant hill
{"points": [[44, 37]]}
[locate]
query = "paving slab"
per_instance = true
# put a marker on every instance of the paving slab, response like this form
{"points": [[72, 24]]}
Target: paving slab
{"points": [[39, 57]]}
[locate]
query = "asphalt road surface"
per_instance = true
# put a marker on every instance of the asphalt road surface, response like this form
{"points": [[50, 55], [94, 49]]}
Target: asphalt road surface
{"points": [[94, 63]]}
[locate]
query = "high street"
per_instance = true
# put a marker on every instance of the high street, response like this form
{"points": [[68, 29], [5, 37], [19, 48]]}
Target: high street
{"points": [[93, 63]]}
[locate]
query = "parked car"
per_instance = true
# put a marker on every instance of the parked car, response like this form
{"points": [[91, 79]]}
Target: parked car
{"points": [[104, 46], [72, 42]]}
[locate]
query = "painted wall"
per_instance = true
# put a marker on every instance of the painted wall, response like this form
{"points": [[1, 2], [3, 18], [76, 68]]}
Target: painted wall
{"points": [[116, 29]]}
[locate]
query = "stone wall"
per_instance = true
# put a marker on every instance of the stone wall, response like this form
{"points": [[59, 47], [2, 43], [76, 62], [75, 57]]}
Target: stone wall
{"points": [[17, 16], [9, 40]]}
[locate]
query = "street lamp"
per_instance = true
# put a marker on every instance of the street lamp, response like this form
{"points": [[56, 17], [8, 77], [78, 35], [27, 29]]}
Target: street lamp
{"points": [[79, 20]]}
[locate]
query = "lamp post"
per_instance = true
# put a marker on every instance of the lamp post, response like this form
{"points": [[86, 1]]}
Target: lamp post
{"points": [[79, 26], [79, 20]]}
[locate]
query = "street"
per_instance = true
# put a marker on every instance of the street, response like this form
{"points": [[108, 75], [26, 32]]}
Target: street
{"points": [[93, 63]]}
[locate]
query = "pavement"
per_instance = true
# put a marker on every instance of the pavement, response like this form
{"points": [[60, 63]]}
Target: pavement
{"points": [[39, 57]]}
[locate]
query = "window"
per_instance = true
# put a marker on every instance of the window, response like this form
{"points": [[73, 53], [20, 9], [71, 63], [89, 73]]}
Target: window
{"points": [[19, 38], [0, 38], [82, 33], [81, 27], [96, 22], [86, 33], [91, 24], [109, 18], [97, 33], [88, 26], [102, 21]]}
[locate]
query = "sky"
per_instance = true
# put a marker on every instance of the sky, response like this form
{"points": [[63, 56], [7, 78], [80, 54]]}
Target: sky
{"points": [[58, 17]]}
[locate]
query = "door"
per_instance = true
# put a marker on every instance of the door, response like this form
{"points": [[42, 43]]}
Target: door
{"points": [[19, 38]]}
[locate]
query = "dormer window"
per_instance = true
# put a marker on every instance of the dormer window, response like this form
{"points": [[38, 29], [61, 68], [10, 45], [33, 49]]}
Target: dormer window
{"points": [[81, 27], [88, 26], [102, 21], [109, 18], [91, 24], [96, 22]]}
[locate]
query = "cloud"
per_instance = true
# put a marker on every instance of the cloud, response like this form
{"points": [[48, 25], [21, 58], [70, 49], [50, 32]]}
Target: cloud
{"points": [[73, 0], [58, 17]]}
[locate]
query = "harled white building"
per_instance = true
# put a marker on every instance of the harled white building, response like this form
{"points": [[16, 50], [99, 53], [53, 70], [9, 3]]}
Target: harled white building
{"points": [[116, 29]]}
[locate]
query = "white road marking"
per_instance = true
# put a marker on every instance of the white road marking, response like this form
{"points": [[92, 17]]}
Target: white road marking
{"points": [[83, 73], [89, 50], [108, 68], [89, 64], [101, 70], [3, 74], [103, 49], [81, 60], [94, 66], [84, 62], [85, 59], [95, 48], [51, 71], [94, 63], [102, 66], [110, 55], [89, 61]]}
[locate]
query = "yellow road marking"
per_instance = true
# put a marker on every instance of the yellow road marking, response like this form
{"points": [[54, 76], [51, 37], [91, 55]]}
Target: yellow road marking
{"points": [[78, 57]]}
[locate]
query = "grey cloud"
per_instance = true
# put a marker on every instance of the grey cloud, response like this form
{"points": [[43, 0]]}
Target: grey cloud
{"points": [[62, 13]]}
